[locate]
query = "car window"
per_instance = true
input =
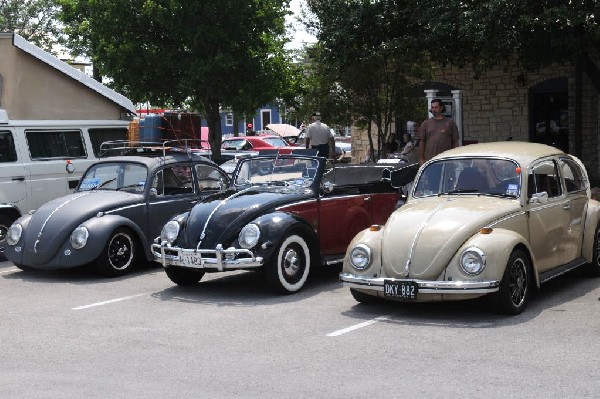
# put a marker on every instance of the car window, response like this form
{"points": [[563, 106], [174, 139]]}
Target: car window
{"points": [[98, 136], [275, 141], [278, 171], [127, 176], [487, 176], [174, 180], [544, 177], [7, 147], [46, 144], [236, 144], [572, 174], [209, 177]]}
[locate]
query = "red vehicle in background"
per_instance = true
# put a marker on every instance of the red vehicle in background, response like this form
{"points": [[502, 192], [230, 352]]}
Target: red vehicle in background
{"points": [[257, 143]]}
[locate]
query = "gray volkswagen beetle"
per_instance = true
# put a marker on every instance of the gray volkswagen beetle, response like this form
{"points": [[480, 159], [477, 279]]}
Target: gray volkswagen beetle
{"points": [[120, 204]]}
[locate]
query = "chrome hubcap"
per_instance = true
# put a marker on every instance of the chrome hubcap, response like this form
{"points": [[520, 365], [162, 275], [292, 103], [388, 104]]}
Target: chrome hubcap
{"points": [[291, 263], [518, 282]]}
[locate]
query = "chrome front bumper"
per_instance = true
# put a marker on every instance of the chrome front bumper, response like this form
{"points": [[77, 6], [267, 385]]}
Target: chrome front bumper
{"points": [[207, 259], [425, 286]]}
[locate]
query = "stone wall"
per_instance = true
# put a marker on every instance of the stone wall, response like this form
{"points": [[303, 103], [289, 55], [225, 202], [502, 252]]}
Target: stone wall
{"points": [[496, 106]]}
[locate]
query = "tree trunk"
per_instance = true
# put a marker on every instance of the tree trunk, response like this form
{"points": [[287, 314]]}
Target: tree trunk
{"points": [[213, 120]]}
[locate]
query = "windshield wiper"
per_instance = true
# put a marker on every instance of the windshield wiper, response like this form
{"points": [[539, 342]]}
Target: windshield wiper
{"points": [[499, 194], [461, 191], [104, 184]]}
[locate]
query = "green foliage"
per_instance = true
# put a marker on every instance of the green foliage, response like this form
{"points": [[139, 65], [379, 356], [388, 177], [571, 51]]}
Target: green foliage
{"points": [[34, 20], [207, 53]]}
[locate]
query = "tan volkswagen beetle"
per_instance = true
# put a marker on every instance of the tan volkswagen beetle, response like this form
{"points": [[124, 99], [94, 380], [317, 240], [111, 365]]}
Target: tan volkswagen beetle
{"points": [[492, 219]]}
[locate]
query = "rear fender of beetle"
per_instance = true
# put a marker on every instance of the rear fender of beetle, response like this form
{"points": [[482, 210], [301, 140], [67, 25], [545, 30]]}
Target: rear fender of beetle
{"points": [[591, 222], [274, 228]]}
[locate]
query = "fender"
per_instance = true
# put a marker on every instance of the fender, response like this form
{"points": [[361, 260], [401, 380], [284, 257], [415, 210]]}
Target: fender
{"points": [[274, 227], [589, 232], [497, 246], [100, 229]]}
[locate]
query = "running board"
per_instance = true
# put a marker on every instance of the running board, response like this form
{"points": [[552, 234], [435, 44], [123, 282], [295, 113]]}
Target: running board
{"points": [[550, 274]]}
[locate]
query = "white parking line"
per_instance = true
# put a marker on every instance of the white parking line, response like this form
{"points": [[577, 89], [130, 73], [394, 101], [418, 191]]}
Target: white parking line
{"points": [[357, 326], [10, 270], [107, 302]]}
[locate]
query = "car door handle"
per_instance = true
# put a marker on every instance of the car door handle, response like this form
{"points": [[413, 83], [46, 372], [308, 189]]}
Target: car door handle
{"points": [[18, 178], [567, 206]]}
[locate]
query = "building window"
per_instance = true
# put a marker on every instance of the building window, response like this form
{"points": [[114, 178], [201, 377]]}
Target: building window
{"points": [[228, 119]]}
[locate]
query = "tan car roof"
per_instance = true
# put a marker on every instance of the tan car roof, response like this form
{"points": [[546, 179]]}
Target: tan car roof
{"points": [[522, 152]]}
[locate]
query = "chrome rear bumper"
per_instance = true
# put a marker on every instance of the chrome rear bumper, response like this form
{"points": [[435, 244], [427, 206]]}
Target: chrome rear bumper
{"points": [[425, 286]]}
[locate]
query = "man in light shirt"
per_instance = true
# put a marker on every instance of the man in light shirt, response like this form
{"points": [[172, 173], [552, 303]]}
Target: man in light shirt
{"points": [[320, 137]]}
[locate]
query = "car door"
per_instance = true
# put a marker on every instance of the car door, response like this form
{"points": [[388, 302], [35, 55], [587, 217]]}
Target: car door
{"points": [[173, 190], [548, 220], [13, 174], [576, 192]]}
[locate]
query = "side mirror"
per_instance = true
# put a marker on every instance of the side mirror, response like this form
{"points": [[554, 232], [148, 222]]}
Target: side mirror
{"points": [[539, 198], [327, 187], [153, 192]]}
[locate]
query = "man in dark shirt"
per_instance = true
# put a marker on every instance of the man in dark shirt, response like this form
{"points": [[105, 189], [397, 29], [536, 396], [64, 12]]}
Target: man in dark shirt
{"points": [[437, 134]]}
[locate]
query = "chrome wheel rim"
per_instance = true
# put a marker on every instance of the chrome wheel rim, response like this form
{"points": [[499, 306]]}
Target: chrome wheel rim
{"points": [[120, 251], [518, 282]]}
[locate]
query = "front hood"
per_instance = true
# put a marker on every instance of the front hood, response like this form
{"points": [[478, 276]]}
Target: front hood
{"points": [[427, 233], [218, 221], [54, 221]]}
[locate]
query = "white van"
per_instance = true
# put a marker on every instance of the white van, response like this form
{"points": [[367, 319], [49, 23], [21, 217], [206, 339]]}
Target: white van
{"points": [[44, 159]]}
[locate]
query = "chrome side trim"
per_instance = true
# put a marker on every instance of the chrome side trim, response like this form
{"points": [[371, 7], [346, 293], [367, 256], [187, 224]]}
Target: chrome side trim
{"points": [[215, 262], [425, 286]]}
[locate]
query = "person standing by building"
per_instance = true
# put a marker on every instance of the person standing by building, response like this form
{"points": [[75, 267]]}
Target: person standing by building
{"points": [[320, 137], [437, 134]]}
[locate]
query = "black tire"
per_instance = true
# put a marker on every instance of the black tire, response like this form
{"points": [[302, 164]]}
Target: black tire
{"points": [[288, 270], [184, 277], [515, 286], [593, 268], [5, 222], [118, 256], [364, 298]]}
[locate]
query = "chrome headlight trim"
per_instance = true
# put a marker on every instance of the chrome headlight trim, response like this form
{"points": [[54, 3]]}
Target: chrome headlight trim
{"points": [[13, 235], [360, 256], [249, 236], [170, 231], [472, 261], [79, 237]]}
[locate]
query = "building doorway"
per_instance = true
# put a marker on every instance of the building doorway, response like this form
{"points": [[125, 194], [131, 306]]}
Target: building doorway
{"points": [[549, 113]]}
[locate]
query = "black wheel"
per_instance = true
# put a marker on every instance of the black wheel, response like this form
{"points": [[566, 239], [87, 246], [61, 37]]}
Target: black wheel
{"points": [[118, 255], [184, 277], [593, 267], [364, 298], [264, 168], [288, 269], [515, 285]]}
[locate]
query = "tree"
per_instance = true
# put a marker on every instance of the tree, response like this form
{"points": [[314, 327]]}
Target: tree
{"points": [[210, 53], [361, 58], [34, 20]]}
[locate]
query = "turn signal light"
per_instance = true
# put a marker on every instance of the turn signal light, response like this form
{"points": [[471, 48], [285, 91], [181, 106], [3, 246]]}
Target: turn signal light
{"points": [[486, 230], [375, 227]]}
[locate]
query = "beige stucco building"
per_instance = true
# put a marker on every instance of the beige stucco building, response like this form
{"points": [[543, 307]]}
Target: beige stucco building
{"points": [[35, 85]]}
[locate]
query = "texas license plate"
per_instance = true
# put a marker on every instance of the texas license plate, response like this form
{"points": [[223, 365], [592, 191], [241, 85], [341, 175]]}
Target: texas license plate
{"points": [[191, 259], [400, 289]]}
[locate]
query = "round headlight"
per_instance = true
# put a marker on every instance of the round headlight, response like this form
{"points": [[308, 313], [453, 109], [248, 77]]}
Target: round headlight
{"points": [[79, 237], [249, 236], [472, 261], [360, 256], [170, 231], [13, 235]]}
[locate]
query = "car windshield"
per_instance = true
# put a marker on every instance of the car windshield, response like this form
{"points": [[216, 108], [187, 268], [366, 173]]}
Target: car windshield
{"points": [[236, 144], [480, 176], [276, 171], [126, 176], [275, 141]]}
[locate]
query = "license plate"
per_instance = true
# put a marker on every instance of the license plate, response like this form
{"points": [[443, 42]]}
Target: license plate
{"points": [[191, 260], [400, 289]]}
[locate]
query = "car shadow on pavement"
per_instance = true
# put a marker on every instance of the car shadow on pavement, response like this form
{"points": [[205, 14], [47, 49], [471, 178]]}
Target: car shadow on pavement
{"points": [[479, 313], [85, 274], [248, 288]]}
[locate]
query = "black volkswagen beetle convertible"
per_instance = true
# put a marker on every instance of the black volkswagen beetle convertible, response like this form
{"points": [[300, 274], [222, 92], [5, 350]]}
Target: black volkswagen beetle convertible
{"points": [[120, 204], [282, 214]]}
